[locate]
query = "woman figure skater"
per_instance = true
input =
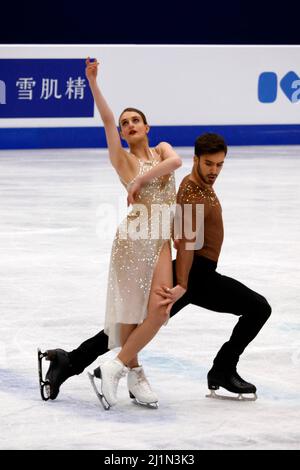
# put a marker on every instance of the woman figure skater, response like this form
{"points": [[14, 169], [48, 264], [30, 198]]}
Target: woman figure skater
{"points": [[139, 265]]}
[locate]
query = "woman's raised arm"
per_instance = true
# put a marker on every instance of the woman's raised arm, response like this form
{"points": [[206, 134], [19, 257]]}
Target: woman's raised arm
{"points": [[115, 148]]}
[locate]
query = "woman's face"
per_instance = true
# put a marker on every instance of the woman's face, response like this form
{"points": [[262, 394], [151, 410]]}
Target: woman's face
{"points": [[132, 127]]}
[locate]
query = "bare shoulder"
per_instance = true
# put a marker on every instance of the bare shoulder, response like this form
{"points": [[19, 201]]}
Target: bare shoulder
{"points": [[163, 147], [164, 150]]}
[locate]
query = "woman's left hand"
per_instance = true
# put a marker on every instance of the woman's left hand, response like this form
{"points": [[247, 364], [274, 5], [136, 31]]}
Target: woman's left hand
{"points": [[133, 191]]}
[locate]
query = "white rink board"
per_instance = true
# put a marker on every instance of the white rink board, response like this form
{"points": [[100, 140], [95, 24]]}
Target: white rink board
{"points": [[178, 85]]}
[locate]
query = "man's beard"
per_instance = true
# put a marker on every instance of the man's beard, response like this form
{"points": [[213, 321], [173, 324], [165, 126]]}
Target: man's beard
{"points": [[203, 178]]}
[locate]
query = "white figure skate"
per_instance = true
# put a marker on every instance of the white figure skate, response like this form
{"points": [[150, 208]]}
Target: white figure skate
{"points": [[139, 388], [110, 374]]}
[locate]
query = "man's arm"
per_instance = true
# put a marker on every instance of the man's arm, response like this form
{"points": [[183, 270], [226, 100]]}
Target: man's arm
{"points": [[184, 261], [185, 222]]}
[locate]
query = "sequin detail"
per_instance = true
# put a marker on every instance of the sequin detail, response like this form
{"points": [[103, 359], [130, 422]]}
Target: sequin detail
{"points": [[132, 261], [193, 193]]}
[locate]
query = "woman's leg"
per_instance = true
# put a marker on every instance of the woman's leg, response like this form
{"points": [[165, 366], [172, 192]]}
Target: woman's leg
{"points": [[157, 316], [125, 331]]}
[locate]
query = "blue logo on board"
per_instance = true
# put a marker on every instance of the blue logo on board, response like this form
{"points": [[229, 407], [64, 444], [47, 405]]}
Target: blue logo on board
{"points": [[268, 87], [38, 88]]}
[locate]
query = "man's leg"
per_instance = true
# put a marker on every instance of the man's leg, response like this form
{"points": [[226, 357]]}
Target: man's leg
{"points": [[88, 352], [184, 300], [224, 294], [64, 365], [211, 290]]}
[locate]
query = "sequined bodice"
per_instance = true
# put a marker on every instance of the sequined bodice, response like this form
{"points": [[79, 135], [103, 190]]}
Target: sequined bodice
{"points": [[160, 190]]}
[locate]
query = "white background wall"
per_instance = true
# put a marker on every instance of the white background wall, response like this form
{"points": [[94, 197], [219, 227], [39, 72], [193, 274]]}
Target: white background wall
{"points": [[178, 85]]}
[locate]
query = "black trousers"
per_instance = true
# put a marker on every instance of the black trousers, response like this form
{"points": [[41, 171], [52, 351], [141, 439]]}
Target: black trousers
{"points": [[210, 290]]}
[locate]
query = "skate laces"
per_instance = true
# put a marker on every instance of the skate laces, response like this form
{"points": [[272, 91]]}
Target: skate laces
{"points": [[142, 380], [122, 373]]}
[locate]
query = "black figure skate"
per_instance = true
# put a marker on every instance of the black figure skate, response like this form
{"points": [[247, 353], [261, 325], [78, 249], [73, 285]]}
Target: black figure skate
{"points": [[59, 370], [231, 381]]}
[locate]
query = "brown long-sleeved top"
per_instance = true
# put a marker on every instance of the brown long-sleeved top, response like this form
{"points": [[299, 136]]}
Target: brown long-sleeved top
{"points": [[194, 193]]}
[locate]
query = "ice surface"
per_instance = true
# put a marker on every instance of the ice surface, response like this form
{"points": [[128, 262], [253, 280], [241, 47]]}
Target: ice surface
{"points": [[54, 251]]}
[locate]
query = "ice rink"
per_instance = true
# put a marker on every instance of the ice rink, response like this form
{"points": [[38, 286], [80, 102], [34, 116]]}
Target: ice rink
{"points": [[58, 213]]}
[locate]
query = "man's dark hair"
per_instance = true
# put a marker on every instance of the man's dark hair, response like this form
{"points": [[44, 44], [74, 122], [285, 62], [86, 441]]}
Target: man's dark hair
{"points": [[209, 143]]}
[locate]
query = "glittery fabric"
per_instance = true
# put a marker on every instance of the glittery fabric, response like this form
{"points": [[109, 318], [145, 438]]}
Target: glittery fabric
{"points": [[192, 193], [135, 251]]}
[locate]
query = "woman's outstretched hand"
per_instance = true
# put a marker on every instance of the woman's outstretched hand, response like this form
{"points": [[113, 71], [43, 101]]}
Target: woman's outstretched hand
{"points": [[91, 69]]}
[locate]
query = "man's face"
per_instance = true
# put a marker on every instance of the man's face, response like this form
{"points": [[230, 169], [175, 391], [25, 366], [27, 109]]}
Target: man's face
{"points": [[209, 166]]}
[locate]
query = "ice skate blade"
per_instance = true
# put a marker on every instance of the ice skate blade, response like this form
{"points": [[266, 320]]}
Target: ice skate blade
{"points": [[240, 397], [44, 384], [100, 396], [152, 406]]}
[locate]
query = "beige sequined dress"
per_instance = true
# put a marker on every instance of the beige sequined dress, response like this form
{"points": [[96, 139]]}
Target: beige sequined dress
{"points": [[135, 251]]}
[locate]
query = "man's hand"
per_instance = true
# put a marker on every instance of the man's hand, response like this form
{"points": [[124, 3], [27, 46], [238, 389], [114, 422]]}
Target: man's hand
{"points": [[176, 243], [170, 296]]}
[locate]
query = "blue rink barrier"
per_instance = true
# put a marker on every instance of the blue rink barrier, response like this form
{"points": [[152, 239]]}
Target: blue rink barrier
{"points": [[179, 136]]}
